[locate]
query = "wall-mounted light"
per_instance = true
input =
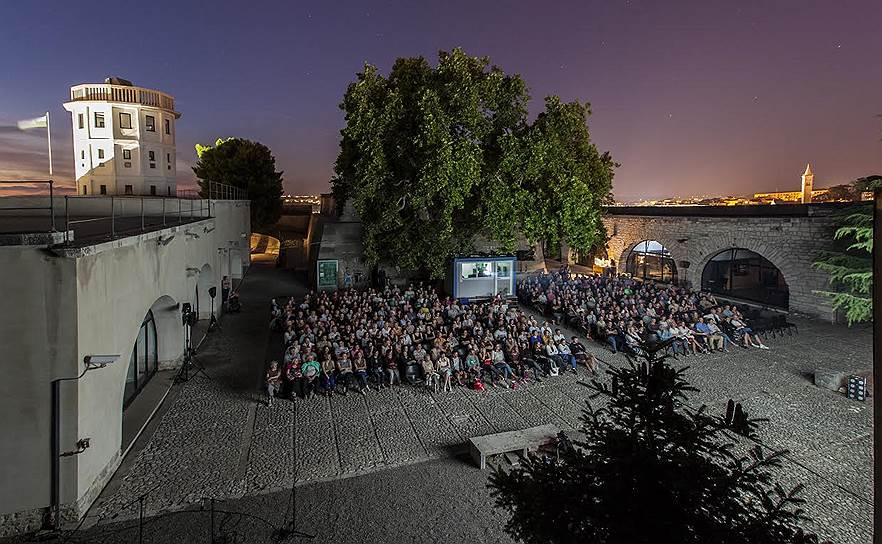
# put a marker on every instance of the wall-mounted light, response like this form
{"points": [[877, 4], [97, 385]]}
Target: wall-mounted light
{"points": [[99, 361], [191, 271], [165, 241], [192, 234], [206, 230]]}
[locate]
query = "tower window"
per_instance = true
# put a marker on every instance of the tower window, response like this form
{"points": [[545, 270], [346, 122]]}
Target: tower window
{"points": [[151, 155], [99, 120], [85, 190], [153, 190], [128, 189], [125, 120], [167, 126], [104, 189], [83, 154], [150, 123], [80, 118], [127, 154], [100, 153]]}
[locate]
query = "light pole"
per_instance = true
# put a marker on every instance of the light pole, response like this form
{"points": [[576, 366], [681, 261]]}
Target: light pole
{"points": [[91, 362]]}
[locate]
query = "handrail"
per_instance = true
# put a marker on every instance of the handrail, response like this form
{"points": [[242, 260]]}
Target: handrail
{"points": [[50, 207], [121, 214]]}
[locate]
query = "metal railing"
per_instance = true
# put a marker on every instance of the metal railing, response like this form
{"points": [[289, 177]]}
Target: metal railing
{"points": [[128, 223], [102, 217], [215, 191], [50, 207]]}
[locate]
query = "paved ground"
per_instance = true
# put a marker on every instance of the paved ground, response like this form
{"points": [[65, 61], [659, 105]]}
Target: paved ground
{"points": [[216, 441]]}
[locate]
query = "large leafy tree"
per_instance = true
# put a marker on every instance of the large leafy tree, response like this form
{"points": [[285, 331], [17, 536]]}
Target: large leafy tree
{"points": [[851, 268], [651, 469], [432, 156], [247, 165]]}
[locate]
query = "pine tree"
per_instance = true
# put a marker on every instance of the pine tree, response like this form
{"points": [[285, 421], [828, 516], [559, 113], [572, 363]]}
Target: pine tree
{"points": [[851, 269], [650, 469]]}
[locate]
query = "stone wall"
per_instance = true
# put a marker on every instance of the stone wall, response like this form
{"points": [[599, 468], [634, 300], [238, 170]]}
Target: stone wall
{"points": [[790, 238]]}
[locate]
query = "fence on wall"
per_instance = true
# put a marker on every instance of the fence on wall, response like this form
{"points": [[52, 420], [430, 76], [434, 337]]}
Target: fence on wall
{"points": [[103, 217]]}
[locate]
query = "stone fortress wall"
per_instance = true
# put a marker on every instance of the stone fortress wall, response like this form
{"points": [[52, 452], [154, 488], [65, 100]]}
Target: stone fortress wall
{"points": [[790, 236]]}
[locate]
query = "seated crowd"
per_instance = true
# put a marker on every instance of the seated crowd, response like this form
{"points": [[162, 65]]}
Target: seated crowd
{"points": [[359, 339], [622, 312]]}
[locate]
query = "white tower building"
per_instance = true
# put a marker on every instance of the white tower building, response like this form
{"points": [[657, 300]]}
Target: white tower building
{"points": [[123, 139], [808, 179]]}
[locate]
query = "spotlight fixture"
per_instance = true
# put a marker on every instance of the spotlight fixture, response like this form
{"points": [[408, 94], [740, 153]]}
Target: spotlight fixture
{"points": [[99, 361], [206, 230], [165, 241]]}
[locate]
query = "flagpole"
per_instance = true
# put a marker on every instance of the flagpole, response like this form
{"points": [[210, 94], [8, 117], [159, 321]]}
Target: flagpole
{"points": [[49, 140]]}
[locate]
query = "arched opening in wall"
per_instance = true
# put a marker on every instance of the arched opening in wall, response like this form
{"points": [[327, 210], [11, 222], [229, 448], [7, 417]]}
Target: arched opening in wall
{"points": [[745, 274], [204, 282], [266, 248], [156, 349], [650, 260], [143, 361]]}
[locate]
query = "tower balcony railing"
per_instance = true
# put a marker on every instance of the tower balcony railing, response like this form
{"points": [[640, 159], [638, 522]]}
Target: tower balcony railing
{"points": [[122, 93]]}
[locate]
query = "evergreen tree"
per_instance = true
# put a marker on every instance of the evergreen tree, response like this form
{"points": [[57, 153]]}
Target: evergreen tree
{"points": [[650, 470], [851, 268], [247, 165]]}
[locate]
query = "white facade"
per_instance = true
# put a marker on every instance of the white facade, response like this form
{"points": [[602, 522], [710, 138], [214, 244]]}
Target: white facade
{"points": [[123, 140], [92, 300]]}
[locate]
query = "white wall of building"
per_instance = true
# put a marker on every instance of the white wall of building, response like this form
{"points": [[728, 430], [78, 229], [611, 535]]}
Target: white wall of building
{"points": [[89, 301], [99, 151]]}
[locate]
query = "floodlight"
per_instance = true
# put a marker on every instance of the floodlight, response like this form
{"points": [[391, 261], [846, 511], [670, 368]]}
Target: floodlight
{"points": [[99, 361]]}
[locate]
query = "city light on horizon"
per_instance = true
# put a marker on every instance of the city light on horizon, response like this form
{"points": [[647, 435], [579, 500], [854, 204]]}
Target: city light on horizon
{"points": [[707, 101]]}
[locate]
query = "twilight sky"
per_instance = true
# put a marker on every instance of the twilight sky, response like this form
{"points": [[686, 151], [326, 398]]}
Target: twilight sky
{"points": [[691, 97]]}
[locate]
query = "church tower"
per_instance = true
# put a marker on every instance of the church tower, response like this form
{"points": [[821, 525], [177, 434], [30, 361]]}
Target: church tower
{"points": [[807, 180]]}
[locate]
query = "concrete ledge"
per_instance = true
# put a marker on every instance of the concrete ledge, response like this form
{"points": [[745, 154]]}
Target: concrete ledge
{"points": [[33, 238]]}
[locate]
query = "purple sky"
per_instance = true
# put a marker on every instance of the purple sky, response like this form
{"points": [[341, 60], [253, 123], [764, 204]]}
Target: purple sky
{"points": [[691, 97]]}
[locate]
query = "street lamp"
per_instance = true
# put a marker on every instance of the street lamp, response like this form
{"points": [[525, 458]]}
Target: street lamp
{"points": [[90, 362]]}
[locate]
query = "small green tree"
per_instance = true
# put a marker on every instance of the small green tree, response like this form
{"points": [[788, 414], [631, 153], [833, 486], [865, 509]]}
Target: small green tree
{"points": [[432, 156], [851, 268], [651, 470], [247, 165]]}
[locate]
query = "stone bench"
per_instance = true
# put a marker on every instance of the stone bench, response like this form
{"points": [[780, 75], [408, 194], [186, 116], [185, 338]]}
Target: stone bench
{"points": [[523, 440]]}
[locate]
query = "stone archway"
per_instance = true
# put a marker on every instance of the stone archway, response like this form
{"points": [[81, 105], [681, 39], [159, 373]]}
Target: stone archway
{"points": [[765, 277], [156, 345], [712, 246], [202, 303], [669, 244]]}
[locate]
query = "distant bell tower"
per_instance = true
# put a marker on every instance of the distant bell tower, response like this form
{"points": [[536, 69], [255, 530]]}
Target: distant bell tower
{"points": [[807, 180]]}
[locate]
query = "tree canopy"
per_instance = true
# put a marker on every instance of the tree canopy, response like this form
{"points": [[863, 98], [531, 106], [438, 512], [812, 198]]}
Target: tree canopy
{"points": [[432, 156], [651, 469], [247, 165]]}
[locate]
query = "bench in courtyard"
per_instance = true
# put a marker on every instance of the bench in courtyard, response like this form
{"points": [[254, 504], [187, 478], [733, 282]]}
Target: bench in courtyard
{"points": [[524, 440]]}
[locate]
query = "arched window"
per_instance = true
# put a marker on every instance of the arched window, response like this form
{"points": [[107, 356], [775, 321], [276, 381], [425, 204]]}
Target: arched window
{"points": [[143, 362], [650, 260], [745, 274]]}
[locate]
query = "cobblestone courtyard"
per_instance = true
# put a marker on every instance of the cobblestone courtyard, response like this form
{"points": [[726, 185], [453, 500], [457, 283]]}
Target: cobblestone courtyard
{"points": [[216, 440]]}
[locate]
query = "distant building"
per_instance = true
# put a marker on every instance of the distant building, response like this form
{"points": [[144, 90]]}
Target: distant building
{"points": [[123, 139], [804, 196]]}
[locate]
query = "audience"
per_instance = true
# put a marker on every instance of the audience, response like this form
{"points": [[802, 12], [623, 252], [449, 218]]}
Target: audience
{"points": [[622, 312], [362, 339]]}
